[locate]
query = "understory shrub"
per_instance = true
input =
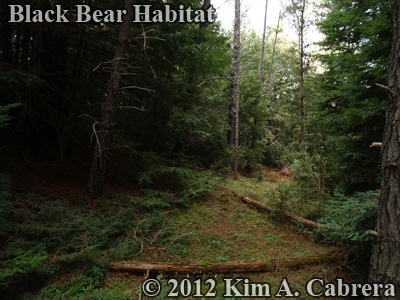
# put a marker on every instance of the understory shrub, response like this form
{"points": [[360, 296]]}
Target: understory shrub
{"points": [[348, 218], [306, 195]]}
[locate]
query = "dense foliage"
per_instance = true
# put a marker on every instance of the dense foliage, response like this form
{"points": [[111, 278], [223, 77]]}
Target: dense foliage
{"points": [[357, 46]]}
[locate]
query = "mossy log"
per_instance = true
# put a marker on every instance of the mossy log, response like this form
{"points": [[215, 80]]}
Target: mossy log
{"points": [[289, 216], [225, 267]]}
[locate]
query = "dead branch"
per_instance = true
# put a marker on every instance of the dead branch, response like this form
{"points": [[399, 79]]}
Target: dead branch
{"points": [[136, 87], [382, 86], [376, 144], [133, 107], [106, 62], [180, 236], [372, 232]]}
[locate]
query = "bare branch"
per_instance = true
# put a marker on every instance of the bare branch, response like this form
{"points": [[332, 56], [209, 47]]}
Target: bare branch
{"points": [[136, 87], [180, 236], [86, 115], [132, 107], [382, 86], [107, 62], [229, 77]]}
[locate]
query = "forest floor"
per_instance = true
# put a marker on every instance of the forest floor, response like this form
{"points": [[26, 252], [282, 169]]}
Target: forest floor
{"points": [[217, 227], [221, 228]]}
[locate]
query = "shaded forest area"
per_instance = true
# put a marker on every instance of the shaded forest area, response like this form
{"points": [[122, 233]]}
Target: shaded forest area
{"points": [[311, 109]]}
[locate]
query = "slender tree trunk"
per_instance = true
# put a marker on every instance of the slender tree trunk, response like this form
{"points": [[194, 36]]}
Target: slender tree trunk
{"points": [[236, 80], [273, 53], [297, 10], [260, 67], [301, 65], [231, 110], [103, 131], [254, 135], [385, 259]]}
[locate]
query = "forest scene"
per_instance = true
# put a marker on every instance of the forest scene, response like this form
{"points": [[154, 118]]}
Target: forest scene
{"points": [[188, 154]]}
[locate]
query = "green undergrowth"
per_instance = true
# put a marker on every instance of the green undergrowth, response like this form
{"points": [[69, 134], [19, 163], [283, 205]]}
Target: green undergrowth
{"points": [[255, 188], [58, 249], [65, 249], [284, 195], [346, 222], [217, 228]]}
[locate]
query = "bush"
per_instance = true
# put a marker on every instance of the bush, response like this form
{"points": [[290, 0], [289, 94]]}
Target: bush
{"points": [[307, 196], [348, 218]]}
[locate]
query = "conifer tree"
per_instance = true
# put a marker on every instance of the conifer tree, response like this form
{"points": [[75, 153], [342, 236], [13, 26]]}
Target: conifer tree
{"points": [[105, 124], [236, 81], [385, 260]]}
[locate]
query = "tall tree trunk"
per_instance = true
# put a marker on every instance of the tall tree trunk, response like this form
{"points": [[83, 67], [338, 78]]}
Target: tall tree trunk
{"points": [[103, 132], [254, 136], [260, 67], [273, 53], [297, 9], [301, 63], [385, 260], [231, 116], [236, 80]]}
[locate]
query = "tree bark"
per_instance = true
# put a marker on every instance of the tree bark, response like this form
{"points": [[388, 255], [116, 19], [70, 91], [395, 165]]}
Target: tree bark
{"points": [[385, 259], [103, 132], [225, 267], [206, 4], [236, 81]]}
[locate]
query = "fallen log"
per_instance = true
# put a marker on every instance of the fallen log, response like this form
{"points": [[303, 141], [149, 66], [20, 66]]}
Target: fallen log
{"points": [[289, 216], [225, 267]]}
